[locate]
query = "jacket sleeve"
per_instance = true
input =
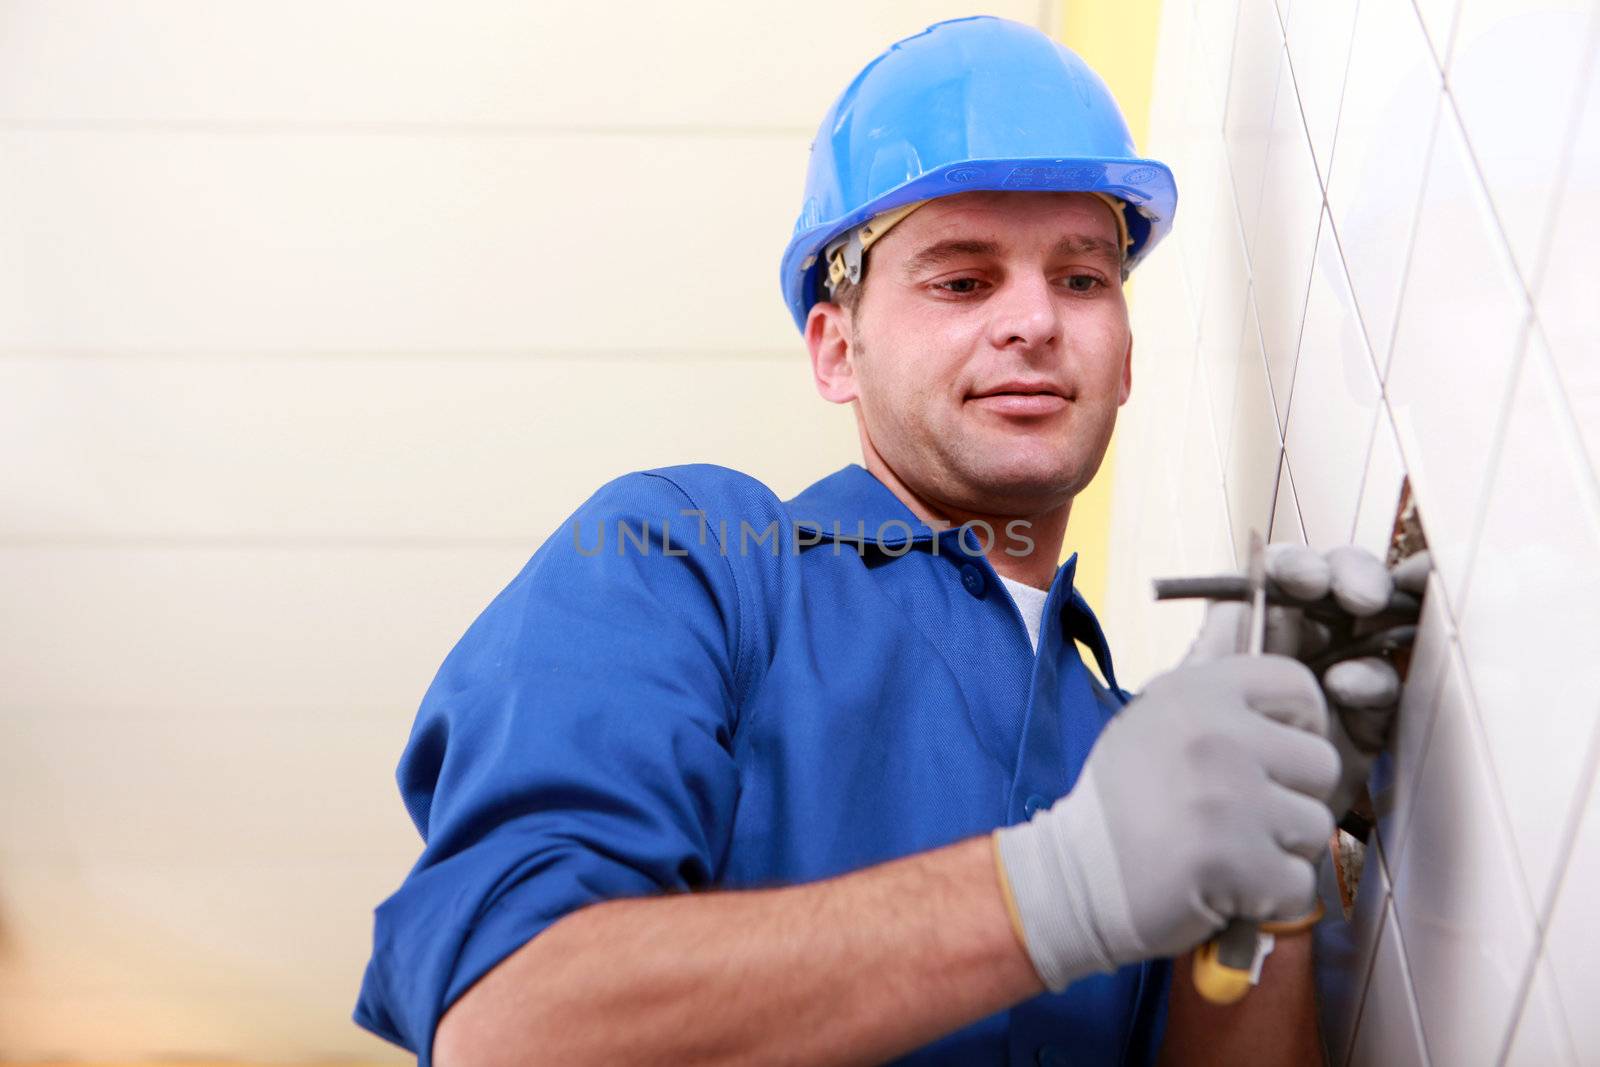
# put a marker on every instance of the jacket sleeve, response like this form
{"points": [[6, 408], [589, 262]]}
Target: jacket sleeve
{"points": [[573, 748]]}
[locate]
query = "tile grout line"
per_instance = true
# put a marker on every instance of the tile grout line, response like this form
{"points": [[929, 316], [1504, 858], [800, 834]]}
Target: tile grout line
{"points": [[1588, 97], [1410, 985], [1544, 910], [1384, 910]]}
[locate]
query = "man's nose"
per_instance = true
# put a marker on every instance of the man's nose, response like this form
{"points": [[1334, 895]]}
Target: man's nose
{"points": [[1026, 314]]}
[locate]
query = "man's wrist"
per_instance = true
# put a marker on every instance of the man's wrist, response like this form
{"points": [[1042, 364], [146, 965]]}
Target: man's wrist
{"points": [[1005, 890], [1048, 862]]}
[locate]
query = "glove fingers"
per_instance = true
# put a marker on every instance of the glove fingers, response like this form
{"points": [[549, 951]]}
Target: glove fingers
{"points": [[1301, 825], [1298, 571], [1315, 637], [1283, 635], [1286, 890], [1306, 763], [1367, 682], [1367, 728], [1411, 573], [1282, 689], [1219, 632], [1360, 583]]}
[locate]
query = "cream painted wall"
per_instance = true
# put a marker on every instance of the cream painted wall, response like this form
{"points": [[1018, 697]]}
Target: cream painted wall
{"points": [[1382, 267], [315, 319]]}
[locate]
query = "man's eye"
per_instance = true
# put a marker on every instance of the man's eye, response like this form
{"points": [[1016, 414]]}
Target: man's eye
{"points": [[1083, 283], [959, 285]]}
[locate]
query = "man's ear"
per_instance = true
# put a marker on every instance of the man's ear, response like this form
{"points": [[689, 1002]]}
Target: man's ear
{"points": [[830, 338], [1127, 375]]}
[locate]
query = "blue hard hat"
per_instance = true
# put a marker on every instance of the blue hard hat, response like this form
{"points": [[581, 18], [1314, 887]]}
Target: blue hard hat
{"points": [[968, 104]]}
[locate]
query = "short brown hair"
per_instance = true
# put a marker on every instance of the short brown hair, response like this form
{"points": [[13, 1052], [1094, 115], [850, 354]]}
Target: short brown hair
{"points": [[847, 294]]}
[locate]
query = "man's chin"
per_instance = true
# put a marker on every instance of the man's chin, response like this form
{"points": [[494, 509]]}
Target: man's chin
{"points": [[1031, 482]]}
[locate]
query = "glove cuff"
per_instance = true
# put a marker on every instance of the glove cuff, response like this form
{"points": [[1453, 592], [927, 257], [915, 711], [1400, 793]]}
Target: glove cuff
{"points": [[1063, 874]]}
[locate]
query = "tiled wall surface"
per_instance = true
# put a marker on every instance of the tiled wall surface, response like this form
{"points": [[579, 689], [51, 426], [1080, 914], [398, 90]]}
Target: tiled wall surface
{"points": [[315, 319], [1384, 266]]}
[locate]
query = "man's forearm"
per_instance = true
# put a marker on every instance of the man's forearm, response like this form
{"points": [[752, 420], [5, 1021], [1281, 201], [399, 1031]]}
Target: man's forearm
{"points": [[1275, 1024], [855, 969]]}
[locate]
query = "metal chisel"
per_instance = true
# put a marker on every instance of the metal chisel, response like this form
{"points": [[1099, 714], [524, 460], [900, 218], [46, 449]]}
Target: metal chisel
{"points": [[1229, 964]]}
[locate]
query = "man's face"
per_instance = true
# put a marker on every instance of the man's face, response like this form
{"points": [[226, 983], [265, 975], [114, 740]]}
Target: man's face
{"points": [[990, 349]]}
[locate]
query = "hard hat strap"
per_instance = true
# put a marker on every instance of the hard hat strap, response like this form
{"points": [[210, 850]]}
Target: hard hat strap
{"points": [[846, 254]]}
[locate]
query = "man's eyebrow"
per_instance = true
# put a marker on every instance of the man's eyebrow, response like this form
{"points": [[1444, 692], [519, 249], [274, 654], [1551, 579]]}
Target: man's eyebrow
{"points": [[1081, 245], [937, 254], [944, 251]]}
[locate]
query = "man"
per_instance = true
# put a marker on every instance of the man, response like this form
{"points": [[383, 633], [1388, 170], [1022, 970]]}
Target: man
{"points": [[725, 779]]}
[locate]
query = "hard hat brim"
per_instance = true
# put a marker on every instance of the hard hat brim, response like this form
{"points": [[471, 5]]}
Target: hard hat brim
{"points": [[1147, 186]]}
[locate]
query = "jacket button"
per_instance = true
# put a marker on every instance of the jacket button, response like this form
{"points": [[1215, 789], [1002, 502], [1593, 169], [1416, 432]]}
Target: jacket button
{"points": [[1034, 805], [972, 578]]}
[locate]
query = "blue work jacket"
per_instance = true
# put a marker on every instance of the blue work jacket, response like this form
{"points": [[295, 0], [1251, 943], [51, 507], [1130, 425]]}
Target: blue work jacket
{"points": [[694, 684]]}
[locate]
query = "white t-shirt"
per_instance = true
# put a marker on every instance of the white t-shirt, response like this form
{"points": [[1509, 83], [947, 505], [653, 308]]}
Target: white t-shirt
{"points": [[1030, 602]]}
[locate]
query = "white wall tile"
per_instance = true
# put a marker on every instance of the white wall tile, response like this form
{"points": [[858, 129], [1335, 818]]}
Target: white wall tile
{"points": [[400, 243], [1394, 778], [1163, 401], [1516, 75], [485, 62], [1336, 400], [1201, 170], [1380, 488], [1222, 322], [1530, 620], [1404, 357], [1540, 1038], [1388, 1033], [1345, 950], [1572, 935], [1149, 525], [1202, 504], [1161, 312], [1319, 36], [1460, 324], [1386, 120], [1280, 260], [1438, 17], [282, 447], [1463, 910], [1565, 294], [1169, 87], [1215, 26], [1258, 58], [1286, 525], [1154, 550], [1254, 447]]}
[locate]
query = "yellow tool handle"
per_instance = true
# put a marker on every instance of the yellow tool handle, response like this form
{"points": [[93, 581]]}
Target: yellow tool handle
{"points": [[1223, 965]]}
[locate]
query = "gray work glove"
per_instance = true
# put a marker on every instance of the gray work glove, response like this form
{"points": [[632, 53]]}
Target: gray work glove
{"points": [[1364, 693], [1202, 800]]}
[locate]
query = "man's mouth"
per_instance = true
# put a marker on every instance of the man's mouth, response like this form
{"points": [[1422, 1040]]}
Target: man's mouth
{"points": [[1021, 398]]}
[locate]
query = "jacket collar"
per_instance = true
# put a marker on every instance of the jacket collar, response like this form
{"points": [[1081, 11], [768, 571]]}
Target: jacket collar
{"points": [[851, 504]]}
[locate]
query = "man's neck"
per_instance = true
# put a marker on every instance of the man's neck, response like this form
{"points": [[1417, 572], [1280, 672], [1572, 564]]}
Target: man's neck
{"points": [[1025, 547]]}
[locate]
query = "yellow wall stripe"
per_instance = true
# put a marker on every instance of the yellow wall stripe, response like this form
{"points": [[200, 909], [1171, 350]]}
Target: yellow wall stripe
{"points": [[1118, 39]]}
